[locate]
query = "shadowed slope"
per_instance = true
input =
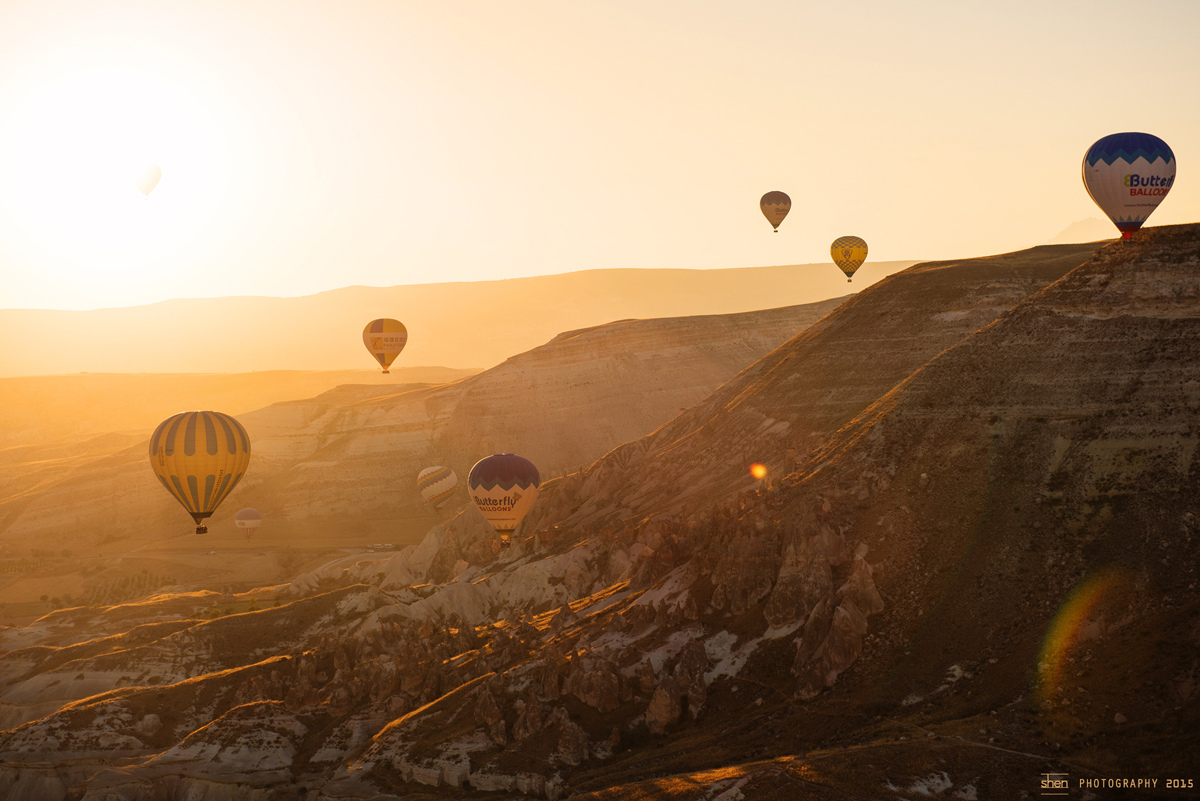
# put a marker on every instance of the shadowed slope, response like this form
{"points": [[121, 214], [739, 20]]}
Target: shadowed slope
{"points": [[785, 405]]}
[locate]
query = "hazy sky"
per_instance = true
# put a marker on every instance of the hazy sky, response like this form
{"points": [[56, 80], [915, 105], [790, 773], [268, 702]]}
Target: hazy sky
{"points": [[312, 145]]}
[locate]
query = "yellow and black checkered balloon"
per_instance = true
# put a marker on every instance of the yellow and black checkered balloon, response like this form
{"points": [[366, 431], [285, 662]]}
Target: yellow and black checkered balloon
{"points": [[849, 252]]}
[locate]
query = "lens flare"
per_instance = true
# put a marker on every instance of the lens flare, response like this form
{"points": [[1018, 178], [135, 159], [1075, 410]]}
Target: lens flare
{"points": [[759, 471], [1075, 622]]}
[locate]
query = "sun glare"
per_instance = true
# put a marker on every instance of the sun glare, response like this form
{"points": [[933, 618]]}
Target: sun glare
{"points": [[74, 154]]}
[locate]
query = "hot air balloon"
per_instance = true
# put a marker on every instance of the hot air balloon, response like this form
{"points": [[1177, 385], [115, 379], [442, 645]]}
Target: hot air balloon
{"points": [[775, 206], [437, 485], [385, 338], [149, 179], [1128, 175], [849, 252], [199, 457], [248, 520], [504, 487]]}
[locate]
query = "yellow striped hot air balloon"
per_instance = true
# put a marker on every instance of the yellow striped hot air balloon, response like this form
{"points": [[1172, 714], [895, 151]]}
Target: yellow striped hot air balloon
{"points": [[199, 457], [849, 252], [385, 338]]}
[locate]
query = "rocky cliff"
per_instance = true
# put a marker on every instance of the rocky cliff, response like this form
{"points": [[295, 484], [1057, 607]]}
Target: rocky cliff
{"points": [[983, 573], [786, 405]]}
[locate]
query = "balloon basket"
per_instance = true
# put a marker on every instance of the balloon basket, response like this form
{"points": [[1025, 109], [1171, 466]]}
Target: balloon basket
{"points": [[201, 529], [387, 372]]}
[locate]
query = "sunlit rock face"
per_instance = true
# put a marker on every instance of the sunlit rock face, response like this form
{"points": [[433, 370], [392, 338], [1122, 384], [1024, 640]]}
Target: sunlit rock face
{"points": [[986, 556]]}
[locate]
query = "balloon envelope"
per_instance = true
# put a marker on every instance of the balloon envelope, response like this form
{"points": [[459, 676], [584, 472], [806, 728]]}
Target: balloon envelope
{"points": [[849, 252], [437, 485], [775, 206], [504, 487], [248, 520], [385, 338], [199, 457], [1128, 175], [149, 179]]}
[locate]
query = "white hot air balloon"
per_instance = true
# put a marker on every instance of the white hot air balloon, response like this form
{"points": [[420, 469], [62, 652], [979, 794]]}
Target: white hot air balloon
{"points": [[149, 179], [1128, 175], [248, 520]]}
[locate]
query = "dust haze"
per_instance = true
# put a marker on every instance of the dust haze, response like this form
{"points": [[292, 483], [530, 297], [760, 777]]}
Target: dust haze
{"points": [[611, 401]]}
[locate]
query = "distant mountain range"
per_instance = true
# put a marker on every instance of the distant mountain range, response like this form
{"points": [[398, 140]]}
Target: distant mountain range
{"points": [[38, 410], [462, 325], [1093, 229]]}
